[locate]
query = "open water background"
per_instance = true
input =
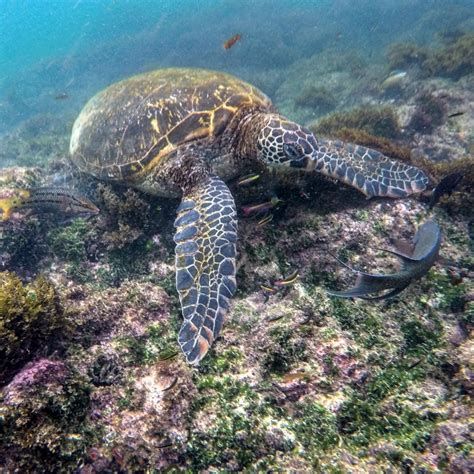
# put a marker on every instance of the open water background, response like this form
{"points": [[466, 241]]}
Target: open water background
{"points": [[77, 47]]}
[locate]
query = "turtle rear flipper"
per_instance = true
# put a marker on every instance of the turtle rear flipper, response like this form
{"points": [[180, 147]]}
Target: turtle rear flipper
{"points": [[206, 235], [368, 170]]}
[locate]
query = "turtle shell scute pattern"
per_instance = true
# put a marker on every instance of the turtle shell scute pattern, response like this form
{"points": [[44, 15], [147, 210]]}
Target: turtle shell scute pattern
{"points": [[133, 125]]}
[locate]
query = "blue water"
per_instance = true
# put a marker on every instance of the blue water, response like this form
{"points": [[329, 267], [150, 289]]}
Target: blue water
{"points": [[48, 47]]}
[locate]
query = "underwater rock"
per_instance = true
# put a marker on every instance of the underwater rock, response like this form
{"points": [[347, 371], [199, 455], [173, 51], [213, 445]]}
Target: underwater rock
{"points": [[430, 112], [454, 59], [20, 177], [40, 373], [379, 121], [317, 98], [465, 375], [403, 55], [43, 417]]}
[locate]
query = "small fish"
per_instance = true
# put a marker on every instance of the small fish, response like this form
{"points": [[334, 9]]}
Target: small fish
{"points": [[259, 208], [456, 114], [250, 178], [289, 280], [62, 96], [56, 200], [171, 385], [265, 220], [426, 242], [268, 289], [394, 79], [446, 186], [272, 319], [166, 355], [231, 41]]}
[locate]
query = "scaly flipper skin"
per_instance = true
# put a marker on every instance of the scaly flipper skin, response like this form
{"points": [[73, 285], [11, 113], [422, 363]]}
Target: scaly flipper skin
{"points": [[206, 236], [368, 170], [282, 142]]}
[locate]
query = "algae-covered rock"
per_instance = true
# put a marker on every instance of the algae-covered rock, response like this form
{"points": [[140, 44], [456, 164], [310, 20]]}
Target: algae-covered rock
{"points": [[43, 418], [30, 319], [380, 121], [403, 55], [317, 98], [454, 59], [430, 112]]}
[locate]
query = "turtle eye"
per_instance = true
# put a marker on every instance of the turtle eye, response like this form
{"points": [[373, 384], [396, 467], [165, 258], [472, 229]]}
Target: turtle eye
{"points": [[293, 151]]}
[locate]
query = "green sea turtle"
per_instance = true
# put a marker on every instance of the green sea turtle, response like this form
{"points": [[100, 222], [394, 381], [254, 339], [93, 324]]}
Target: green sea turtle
{"points": [[175, 132]]}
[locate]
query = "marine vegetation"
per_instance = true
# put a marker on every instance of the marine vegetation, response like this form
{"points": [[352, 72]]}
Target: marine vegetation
{"points": [[43, 415], [430, 112], [317, 98], [454, 59], [127, 216], [404, 55], [379, 121], [31, 318], [22, 244]]}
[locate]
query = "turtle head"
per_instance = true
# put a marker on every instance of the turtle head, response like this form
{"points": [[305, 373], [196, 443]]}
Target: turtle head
{"points": [[282, 142]]}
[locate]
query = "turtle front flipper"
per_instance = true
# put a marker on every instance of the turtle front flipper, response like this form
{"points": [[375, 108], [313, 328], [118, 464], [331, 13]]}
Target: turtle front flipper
{"points": [[367, 170], [206, 236]]}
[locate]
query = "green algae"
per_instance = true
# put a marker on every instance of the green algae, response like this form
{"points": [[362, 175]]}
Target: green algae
{"points": [[68, 243], [286, 349], [221, 362], [46, 428], [455, 59], [317, 98], [234, 435], [158, 341], [452, 297], [378, 121], [30, 318], [403, 55], [315, 428], [23, 243], [365, 416]]}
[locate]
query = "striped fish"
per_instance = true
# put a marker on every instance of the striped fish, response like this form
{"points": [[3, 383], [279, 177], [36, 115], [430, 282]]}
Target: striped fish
{"points": [[58, 200]]}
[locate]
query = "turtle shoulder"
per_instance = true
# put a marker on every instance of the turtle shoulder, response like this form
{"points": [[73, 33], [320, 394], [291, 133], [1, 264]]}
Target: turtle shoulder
{"points": [[131, 126]]}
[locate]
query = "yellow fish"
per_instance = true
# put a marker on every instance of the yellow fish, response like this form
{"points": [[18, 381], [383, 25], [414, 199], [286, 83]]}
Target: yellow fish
{"points": [[56, 200]]}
